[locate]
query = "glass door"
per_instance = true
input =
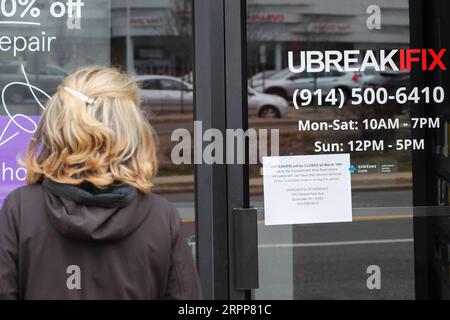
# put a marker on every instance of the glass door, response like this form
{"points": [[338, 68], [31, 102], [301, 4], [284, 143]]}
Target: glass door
{"points": [[338, 147]]}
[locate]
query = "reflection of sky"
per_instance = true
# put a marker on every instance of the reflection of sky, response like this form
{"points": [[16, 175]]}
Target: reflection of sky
{"points": [[9, 152]]}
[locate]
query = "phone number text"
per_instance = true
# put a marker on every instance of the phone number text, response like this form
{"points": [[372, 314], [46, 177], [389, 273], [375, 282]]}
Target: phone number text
{"points": [[367, 96]]}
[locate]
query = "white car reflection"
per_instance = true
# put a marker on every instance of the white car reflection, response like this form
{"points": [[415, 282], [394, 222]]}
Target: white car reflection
{"points": [[164, 94], [266, 105]]}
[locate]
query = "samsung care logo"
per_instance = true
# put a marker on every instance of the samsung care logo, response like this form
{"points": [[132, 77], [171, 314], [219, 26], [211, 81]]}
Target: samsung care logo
{"points": [[396, 60]]}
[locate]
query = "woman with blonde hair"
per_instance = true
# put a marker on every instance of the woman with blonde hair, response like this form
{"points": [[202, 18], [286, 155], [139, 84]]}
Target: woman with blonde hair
{"points": [[86, 226]]}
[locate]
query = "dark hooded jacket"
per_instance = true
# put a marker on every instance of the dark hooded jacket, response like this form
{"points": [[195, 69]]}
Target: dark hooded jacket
{"points": [[78, 242]]}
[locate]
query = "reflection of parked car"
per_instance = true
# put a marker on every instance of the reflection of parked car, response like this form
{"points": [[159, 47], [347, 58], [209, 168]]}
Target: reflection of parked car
{"points": [[47, 80], [188, 77], [391, 80], [368, 74], [266, 105], [260, 78], [285, 82], [170, 94], [165, 93]]}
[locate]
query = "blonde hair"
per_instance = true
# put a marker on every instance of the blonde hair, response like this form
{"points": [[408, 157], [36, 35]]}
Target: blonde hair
{"points": [[106, 142]]}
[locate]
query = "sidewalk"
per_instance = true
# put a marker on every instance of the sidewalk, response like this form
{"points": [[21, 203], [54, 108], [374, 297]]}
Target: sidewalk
{"points": [[292, 118], [360, 182], [185, 118], [171, 117]]}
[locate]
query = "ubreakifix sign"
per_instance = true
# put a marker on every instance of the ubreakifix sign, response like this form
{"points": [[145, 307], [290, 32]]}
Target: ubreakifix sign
{"points": [[355, 60]]}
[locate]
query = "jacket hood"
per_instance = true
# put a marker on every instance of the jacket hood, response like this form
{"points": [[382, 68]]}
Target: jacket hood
{"points": [[87, 213]]}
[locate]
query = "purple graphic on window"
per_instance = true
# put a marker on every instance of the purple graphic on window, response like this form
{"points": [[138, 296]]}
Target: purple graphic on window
{"points": [[16, 131], [15, 134]]}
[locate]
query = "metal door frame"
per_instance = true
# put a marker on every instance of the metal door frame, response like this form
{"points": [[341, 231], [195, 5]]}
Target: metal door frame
{"points": [[219, 74]]}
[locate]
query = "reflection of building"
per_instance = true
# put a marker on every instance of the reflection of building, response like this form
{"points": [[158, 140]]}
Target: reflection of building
{"points": [[274, 27], [159, 32], [156, 35]]}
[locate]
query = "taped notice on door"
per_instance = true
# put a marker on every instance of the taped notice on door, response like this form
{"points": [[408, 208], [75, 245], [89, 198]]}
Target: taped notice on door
{"points": [[307, 189]]}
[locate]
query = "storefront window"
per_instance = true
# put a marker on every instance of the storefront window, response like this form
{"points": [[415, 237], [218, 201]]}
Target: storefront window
{"points": [[333, 260], [150, 40]]}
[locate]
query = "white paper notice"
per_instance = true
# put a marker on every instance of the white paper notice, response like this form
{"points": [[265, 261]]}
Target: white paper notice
{"points": [[307, 189]]}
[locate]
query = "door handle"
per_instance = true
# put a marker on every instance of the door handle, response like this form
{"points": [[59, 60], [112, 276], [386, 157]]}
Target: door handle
{"points": [[246, 249]]}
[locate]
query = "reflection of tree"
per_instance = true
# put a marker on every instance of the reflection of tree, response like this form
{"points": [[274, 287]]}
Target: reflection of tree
{"points": [[178, 26], [63, 49], [257, 33]]}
